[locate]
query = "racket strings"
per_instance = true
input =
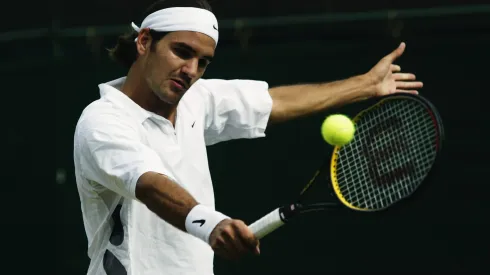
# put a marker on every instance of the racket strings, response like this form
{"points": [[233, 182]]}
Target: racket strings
{"points": [[391, 153]]}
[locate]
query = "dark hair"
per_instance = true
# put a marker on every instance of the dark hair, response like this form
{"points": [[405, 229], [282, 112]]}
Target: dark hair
{"points": [[125, 50]]}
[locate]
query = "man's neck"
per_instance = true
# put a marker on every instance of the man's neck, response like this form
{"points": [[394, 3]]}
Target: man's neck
{"points": [[136, 88]]}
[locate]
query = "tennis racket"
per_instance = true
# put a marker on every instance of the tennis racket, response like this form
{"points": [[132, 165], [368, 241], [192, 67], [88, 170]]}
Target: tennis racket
{"points": [[396, 143]]}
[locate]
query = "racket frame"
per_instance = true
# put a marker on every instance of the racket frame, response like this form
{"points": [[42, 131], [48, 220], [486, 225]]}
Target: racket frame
{"points": [[282, 215]]}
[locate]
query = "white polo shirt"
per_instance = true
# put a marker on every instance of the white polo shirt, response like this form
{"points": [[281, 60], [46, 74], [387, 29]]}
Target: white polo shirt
{"points": [[116, 141]]}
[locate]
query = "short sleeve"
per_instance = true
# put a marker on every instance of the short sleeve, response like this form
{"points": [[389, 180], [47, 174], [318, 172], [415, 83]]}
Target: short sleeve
{"points": [[235, 109], [110, 153]]}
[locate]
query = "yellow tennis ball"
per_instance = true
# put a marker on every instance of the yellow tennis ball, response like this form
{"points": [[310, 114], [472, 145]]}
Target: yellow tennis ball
{"points": [[338, 130]]}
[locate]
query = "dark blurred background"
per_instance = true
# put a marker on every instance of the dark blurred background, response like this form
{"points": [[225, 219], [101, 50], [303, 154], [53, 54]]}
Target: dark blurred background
{"points": [[55, 55]]}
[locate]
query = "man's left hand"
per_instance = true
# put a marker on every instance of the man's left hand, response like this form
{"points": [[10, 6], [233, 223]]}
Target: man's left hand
{"points": [[387, 78]]}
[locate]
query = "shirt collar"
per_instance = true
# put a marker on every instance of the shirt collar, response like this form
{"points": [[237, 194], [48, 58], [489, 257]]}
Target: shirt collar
{"points": [[111, 91]]}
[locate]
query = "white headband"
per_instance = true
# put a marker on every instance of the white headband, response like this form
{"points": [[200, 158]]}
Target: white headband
{"points": [[181, 19]]}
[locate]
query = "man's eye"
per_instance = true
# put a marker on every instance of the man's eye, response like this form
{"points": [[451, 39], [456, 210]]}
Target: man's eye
{"points": [[184, 54], [203, 63]]}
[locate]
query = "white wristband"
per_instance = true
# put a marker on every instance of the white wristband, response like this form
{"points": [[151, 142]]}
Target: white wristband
{"points": [[202, 220]]}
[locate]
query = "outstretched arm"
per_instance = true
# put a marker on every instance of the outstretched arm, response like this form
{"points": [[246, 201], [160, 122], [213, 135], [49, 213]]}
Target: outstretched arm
{"points": [[289, 102], [384, 78]]}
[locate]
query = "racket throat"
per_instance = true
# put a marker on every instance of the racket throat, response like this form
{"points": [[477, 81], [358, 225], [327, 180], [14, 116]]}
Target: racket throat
{"points": [[289, 211]]}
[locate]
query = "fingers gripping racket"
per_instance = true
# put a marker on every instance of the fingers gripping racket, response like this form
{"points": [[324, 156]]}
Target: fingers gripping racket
{"points": [[395, 146]]}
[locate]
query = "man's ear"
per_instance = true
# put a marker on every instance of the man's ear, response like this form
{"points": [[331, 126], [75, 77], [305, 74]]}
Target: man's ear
{"points": [[144, 41]]}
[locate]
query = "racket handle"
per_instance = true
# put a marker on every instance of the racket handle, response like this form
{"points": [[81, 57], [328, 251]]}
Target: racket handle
{"points": [[267, 224]]}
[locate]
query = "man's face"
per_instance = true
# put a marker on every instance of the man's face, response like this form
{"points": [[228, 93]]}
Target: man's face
{"points": [[175, 63]]}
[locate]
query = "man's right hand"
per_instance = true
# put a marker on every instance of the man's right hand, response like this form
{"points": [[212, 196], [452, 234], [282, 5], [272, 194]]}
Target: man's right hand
{"points": [[232, 239]]}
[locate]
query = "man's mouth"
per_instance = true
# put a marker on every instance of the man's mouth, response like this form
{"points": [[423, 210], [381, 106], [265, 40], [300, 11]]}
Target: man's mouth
{"points": [[181, 85]]}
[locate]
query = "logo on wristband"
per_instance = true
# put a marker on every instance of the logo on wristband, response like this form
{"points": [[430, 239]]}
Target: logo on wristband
{"points": [[201, 222]]}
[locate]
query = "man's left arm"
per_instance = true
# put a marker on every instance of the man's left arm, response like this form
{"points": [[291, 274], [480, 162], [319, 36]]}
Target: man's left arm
{"points": [[384, 78]]}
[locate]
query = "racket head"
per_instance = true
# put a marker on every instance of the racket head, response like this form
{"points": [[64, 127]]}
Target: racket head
{"points": [[395, 147]]}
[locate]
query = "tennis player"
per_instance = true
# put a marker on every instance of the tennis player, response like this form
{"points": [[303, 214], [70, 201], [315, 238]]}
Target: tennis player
{"points": [[140, 150]]}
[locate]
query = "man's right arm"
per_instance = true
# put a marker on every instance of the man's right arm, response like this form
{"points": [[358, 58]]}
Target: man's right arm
{"points": [[229, 238], [165, 198]]}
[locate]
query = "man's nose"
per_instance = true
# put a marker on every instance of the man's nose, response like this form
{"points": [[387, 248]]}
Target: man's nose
{"points": [[191, 68]]}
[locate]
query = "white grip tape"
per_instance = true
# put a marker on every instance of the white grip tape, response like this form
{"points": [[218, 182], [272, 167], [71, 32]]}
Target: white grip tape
{"points": [[266, 224]]}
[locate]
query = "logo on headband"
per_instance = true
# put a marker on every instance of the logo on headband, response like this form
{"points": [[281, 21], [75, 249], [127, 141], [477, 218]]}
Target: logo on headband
{"points": [[214, 27]]}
